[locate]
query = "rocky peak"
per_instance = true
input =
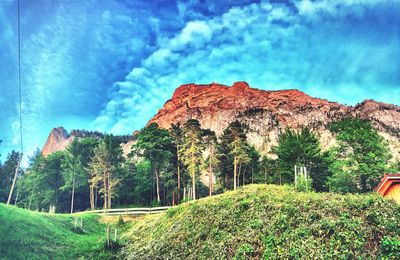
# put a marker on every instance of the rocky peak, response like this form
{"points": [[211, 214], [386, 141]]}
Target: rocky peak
{"points": [[57, 140], [267, 113]]}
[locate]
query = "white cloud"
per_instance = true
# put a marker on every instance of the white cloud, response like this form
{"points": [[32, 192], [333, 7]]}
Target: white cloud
{"points": [[267, 45]]}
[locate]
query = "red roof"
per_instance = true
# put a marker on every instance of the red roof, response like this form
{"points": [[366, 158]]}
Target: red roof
{"points": [[386, 182]]}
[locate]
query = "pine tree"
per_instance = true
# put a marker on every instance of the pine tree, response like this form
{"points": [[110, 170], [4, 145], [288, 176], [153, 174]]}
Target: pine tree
{"points": [[104, 166], [176, 134], [8, 175], [301, 149], [192, 150], [212, 159], [361, 157], [155, 145], [234, 152]]}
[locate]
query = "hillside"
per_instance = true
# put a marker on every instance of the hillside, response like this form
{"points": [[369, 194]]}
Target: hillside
{"points": [[272, 222], [32, 235], [268, 113]]}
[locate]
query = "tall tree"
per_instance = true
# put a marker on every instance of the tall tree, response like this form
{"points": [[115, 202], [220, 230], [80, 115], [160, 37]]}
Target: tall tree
{"points": [[176, 134], [212, 159], [41, 187], [73, 169], [192, 150], [155, 145], [16, 172], [361, 157], [253, 165], [8, 175], [301, 149], [104, 167], [234, 150]]}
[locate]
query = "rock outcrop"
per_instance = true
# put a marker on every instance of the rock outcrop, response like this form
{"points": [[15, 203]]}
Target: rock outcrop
{"points": [[58, 140], [267, 113]]}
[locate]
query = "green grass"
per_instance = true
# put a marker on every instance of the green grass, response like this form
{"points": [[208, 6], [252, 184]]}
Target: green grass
{"points": [[257, 221], [270, 222], [32, 235]]}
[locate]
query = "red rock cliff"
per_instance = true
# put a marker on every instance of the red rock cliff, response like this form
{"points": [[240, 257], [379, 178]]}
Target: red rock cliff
{"points": [[269, 112]]}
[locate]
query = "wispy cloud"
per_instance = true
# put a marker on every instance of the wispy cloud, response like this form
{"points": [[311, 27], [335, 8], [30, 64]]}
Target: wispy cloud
{"points": [[315, 48]]}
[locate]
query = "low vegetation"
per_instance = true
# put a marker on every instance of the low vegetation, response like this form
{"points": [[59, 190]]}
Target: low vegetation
{"points": [[33, 235], [270, 222]]}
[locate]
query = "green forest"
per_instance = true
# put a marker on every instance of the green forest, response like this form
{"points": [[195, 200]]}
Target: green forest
{"points": [[165, 167]]}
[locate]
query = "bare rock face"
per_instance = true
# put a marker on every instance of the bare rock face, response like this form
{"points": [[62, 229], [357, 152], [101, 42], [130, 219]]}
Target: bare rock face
{"points": [[58, 140], [267, 113]]}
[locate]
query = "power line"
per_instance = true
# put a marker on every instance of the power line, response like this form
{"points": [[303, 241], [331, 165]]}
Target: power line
{"points": [[19, 77], [20, 106]]}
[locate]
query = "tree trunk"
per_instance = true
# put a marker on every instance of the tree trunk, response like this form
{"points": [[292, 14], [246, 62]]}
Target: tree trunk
{"points": [[265, 175], [14, 181], [252, 175], [210, 178], [95, 197], [16, 198], [105, 189], [238, 175], [109, 190], [91, 197], [157, 186], [73, 194], [193, 179], [179, 174], [234, 172]]}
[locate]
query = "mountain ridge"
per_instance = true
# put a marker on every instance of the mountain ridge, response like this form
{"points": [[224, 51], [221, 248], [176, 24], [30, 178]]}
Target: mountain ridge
{"points": [[267, 113]]}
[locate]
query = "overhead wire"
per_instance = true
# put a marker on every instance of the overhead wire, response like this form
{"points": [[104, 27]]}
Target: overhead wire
{"points": [[17, 168]]}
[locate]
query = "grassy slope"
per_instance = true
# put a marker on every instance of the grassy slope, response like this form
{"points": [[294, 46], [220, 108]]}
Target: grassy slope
{"points": [[267, 221], [32, 235]]}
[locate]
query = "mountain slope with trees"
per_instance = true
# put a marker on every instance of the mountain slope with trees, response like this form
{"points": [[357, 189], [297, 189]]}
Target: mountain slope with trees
{"points": [[269, 113]]}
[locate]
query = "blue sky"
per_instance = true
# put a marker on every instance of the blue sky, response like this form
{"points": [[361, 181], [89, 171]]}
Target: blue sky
{"points": [[110, 65]]}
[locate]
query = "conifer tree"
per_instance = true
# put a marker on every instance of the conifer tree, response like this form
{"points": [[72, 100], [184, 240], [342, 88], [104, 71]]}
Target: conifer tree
{"points": [[192, 150], [212, 159], [234, 151], [361, 157], [176, 134], [301, 149], [155, 145], [104, 166]]}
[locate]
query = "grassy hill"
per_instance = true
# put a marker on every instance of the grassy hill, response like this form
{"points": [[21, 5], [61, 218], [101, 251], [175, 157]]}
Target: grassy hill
{"points": [[271, 222], [257, 221], [32, 235]]}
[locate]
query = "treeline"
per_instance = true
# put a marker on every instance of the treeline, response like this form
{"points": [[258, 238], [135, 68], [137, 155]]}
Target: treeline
{"points": [[186, 162]]}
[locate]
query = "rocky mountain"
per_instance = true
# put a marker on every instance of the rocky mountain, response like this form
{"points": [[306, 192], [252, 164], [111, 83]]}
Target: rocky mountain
{"points": [[59, 139], [267, 113]]}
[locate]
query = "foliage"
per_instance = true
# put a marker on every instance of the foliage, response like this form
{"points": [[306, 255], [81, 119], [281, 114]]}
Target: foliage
{"points": [[105, 168], [192, 150], [270, 222], [156, 146], [235, 154], [301, 149], [211, 162], [7, 171], [360, 159], [40, 189]]}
